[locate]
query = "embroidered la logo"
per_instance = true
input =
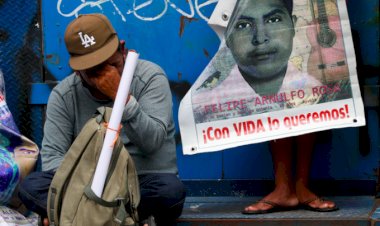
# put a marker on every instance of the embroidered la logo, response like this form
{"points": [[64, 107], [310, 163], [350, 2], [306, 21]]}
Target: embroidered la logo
{"points": [[86, 40]]}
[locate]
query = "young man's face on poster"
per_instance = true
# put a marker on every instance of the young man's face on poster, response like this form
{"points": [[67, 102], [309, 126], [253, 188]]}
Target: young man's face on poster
{"points": [[260, 37]]}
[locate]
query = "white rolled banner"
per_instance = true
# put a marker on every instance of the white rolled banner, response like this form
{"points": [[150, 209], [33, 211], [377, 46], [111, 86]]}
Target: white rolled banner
{"points": [[113, 125]]}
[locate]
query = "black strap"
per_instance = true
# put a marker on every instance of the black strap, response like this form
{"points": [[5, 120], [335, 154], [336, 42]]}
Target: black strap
{"points": [[92, 196], [121, 214], [52, 199]]}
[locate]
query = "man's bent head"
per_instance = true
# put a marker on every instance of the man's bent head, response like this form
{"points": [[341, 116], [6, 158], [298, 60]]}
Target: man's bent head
{"points": [[90, 40]]}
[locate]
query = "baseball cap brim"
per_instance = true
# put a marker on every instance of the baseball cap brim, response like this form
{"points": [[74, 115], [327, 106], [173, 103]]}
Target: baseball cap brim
{"points": [[83, 62]]}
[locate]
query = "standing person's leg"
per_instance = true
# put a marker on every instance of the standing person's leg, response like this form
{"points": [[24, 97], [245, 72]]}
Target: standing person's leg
{"points": [[33, 192], [284, 193], [305, 147], [163, 196]]}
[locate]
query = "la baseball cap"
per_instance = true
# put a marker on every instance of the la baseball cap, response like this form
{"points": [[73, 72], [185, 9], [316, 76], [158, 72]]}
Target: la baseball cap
{"points": [[90, 40]]}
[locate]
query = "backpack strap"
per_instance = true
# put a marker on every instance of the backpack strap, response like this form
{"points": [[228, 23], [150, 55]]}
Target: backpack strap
{"points": [[100, 114], [115, 156], [103, 114], [91, 195], [122, 215]]}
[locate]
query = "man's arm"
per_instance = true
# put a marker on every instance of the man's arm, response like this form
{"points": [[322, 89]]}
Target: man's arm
{"points": [[147, 119], [58, 133]]}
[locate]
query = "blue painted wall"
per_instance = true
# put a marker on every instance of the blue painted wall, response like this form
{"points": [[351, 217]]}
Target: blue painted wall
{"points": [[20, 62], [176, 36]]}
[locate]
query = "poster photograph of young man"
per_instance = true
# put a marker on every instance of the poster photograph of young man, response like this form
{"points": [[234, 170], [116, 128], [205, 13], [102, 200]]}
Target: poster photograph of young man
{"points": [[277, 59]]}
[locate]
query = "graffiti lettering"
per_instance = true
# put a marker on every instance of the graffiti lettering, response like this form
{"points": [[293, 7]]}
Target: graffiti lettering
{"points": [[137, 10]]}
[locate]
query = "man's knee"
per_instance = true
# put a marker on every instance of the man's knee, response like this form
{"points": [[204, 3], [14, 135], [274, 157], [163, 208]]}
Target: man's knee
{"points": [[165, 190]]}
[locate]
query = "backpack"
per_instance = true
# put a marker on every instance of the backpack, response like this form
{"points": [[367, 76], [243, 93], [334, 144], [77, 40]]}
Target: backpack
{"points": [[71, 202]]}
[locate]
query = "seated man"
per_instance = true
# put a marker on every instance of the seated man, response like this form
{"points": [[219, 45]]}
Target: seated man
{"points": [[97, 56]]}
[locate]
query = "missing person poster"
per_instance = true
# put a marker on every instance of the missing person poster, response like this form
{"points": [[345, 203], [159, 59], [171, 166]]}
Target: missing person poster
{"points": [[283, 68]]}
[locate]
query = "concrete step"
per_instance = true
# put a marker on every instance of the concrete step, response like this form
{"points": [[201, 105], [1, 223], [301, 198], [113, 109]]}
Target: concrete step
{"points": [[223, 211]]}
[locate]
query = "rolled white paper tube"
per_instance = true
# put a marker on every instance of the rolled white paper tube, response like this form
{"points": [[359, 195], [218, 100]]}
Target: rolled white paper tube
{"points": [[113, 125]]}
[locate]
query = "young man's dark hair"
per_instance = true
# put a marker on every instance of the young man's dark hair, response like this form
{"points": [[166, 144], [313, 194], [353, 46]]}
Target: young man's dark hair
{"points": [[288, 5]]}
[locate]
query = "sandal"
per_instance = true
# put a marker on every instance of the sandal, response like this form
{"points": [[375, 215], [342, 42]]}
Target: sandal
{"points": [[274, 208], [306, 205]]}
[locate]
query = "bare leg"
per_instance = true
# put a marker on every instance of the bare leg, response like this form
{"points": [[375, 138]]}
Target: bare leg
{"points": [[305, 146], [284, 192]]}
